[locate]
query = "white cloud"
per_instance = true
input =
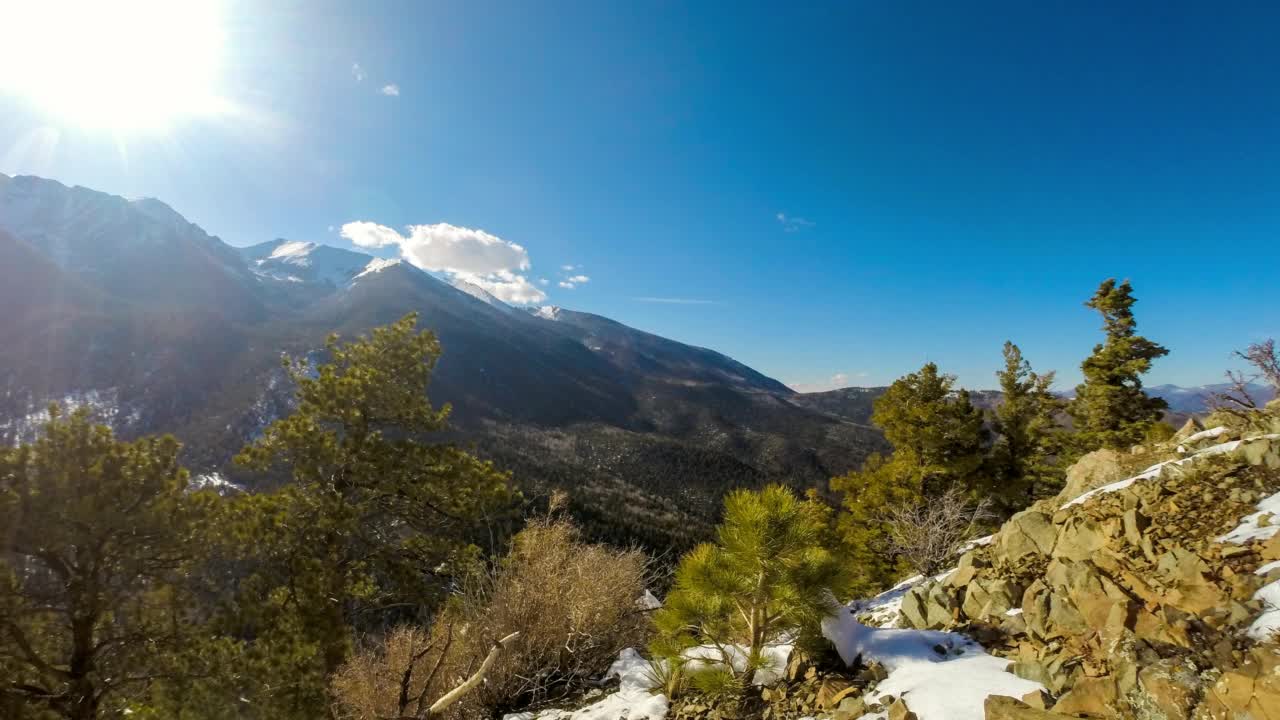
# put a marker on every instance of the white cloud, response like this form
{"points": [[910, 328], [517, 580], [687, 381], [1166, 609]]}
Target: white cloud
{"points": [[579, 279], [507, 287], [357, 72], [458, 249], [370, 235], [566, 285], [473, 255], [675, 301], [569, 268], [390, 89], [835, 382], [793, 224]]}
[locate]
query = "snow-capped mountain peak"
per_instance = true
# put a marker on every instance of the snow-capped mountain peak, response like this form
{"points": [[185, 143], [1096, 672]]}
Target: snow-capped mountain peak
{"points": [[479, 293], [548, 312], [296, 261]]}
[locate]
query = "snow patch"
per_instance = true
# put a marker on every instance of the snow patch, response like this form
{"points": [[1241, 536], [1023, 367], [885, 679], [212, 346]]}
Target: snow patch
{"points": [[632, 701], [377, 265], [215, 481], [1251, 527], [548, 312], [773, 660], [1202, 435], [940, 675], [1268, 622], [294, 249]]}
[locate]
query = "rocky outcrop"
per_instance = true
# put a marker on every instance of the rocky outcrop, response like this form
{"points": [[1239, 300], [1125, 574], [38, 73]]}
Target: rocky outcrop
{"points": [[1127, 603], [1094, 470]]}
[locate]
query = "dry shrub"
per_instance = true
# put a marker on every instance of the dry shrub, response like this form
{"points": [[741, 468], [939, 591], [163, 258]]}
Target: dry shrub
{"points": [[574, 604], [928, 534], [391, 680]]}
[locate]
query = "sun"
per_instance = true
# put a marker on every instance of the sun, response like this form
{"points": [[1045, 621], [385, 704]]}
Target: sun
{"points": [[113, 64]]}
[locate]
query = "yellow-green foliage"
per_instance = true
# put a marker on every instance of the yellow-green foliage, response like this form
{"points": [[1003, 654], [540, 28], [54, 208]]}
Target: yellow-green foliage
{"points": [[769, 571]]}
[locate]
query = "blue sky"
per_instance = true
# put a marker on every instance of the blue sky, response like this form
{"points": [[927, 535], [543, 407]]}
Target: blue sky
{"points": [[950, 177]]}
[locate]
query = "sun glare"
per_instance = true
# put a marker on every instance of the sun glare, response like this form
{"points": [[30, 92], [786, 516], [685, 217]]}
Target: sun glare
{"points": [[119, 65]]}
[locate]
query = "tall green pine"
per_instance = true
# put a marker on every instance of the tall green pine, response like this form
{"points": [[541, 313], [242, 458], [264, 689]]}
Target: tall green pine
{"points": [[377, 515], [939, 441], [1110, 408], [1023, 463]]}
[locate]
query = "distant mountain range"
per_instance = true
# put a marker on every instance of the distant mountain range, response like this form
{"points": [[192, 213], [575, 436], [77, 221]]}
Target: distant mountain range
{"points": [[125, 306]]}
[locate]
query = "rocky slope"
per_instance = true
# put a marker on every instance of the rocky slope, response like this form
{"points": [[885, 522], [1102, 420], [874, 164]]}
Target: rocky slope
{"points": [[1133, 594]]}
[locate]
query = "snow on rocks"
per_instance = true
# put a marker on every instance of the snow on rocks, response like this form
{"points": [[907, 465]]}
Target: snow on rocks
{"points": [[1209, 434], [940, 675], [1253, 526], [773, 660], [632, 701], [1156, 470], [1266, 624], [214, 481]]}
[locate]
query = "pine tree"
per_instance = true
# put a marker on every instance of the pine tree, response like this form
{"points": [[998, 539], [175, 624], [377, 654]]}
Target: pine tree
{"points": [[95, 535], [769, 571], [937, 434], [867, 495], [1110, 408], [375, 516], [939, 443], [1023, 463]]}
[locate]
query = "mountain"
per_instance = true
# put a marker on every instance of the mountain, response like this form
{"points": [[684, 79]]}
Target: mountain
{"points": [[856, 403], [124, 306], [1199, 399]]}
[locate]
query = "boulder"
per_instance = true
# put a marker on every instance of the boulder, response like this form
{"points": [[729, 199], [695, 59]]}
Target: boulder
{"points": [[1079, 539], [1251, 690], [988, 599], [899, 711], [1094, 697], [1169, 689], [1000, 707], [929, 607], [1029, 533], [1189, 428], [1098, 468]]}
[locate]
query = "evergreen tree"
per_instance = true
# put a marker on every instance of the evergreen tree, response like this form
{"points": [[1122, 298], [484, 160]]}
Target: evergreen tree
{"points": [[1110, 408], [769, 571], [95, 534], [1023, 460], [376, 516], [867, 494], [939, 443], [936, 432]]}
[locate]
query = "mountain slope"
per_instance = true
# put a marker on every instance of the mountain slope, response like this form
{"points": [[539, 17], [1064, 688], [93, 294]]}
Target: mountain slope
{"points": [[125, 306]]}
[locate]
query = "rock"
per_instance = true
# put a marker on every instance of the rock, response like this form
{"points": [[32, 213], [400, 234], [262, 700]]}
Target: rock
{"points": [[989, 599], [1189, 428], [1135, 523], [1094, 697], [1000, 707], [1079, 539], [850, 708], [832, 691], [1170, 688], [899, 711], [929, 607], [1030, 532], [1251, 690], [1037, 699], [1098, 468]]}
